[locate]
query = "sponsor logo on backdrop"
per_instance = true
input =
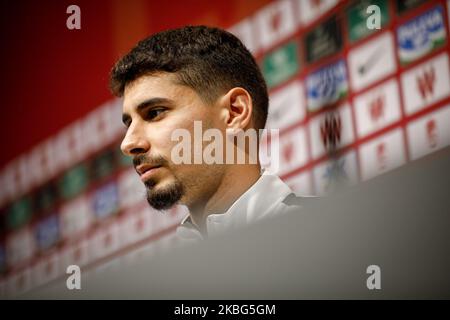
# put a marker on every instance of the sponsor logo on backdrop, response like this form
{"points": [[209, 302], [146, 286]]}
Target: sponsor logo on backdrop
{"points": [[275, 22], [429, 133], [432, 136], [357, 16], [310, 10], [19, 213], [372, 61], [281, 64], [47, 232], [19, 246], [377, 108], [46, 197], [382, 154], [293, 151], [103, 165], [426, 84], [286, 106], [105, 201], [75, 217], [405, 5], [324, 40], [74, 181], [331, 131], [326, 86], [421, 35], [332, 175]]}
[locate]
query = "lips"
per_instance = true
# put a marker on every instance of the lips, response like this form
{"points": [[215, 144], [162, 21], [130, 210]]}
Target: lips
{"points": [[145, 171]]}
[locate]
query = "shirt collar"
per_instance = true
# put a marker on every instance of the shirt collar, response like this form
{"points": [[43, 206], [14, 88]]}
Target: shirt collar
{"points": [[257, 202]]}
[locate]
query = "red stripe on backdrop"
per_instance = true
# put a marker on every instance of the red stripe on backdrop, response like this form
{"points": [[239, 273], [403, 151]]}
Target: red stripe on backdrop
{"points": [[50, 75]]}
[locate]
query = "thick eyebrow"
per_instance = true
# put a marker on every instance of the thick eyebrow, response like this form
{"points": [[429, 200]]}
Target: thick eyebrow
{"points": [[145, 104]]}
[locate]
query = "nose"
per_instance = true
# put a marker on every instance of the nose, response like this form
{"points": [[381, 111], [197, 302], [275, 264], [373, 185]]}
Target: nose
{"points": [[134, 142]]}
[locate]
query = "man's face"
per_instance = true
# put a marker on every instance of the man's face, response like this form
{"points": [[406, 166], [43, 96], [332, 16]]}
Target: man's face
{"points": [[154, 106]]}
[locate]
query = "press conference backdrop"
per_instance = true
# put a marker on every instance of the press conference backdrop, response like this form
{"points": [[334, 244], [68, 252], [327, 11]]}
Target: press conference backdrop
{"points": [[397, 224], [351, 103]]}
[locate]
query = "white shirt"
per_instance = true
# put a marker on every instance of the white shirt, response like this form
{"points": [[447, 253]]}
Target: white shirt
{"points": [[263, 199]]}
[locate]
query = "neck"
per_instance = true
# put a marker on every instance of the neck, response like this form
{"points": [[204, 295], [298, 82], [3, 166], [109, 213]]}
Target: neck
{"points": [[236, 181]]}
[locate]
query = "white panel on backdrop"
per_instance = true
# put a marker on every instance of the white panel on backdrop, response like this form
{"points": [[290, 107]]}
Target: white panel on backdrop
{"points": [[76, 253], [310, 10], [372, 61], [293, 151], [429, 133], [104, 241], [382, 154], [20, 246], [377, 108], [76, 217], [244, 31], [275, 22], [426, 84], [19, 282], [46, 269], [286, 106], [136, 225], [131, 189]]}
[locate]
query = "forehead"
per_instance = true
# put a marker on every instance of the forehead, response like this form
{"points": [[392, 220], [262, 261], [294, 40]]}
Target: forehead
{"points": [[160, 85]]}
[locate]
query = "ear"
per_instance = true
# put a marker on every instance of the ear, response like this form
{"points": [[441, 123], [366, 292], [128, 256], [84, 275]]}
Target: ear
{"points": [[237, 109]]}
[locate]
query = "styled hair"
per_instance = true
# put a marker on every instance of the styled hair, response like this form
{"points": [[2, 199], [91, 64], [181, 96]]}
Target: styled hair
{"points": [[209, 60]]}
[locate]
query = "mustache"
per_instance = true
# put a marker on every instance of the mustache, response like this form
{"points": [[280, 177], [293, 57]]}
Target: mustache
{"points": [[144, 159]]}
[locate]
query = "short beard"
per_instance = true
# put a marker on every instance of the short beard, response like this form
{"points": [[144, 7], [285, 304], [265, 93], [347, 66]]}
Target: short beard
{"points": [[165, 198]]}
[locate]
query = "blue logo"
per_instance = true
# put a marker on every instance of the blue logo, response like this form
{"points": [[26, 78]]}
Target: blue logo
{"points": [[326, 85], [47, 232], [105, 201], [421, 35]]}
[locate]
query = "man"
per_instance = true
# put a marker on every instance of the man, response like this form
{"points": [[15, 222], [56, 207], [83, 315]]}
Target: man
{"points": [[176, 80]]}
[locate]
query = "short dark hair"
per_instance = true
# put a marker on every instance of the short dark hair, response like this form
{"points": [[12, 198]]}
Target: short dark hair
{"points": [[209, 60]]}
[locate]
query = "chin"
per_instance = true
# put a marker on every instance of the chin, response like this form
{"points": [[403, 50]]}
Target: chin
{"points": [[164, 195]]}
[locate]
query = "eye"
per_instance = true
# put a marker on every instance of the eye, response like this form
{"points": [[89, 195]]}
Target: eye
{"points": [[153, 114]]}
